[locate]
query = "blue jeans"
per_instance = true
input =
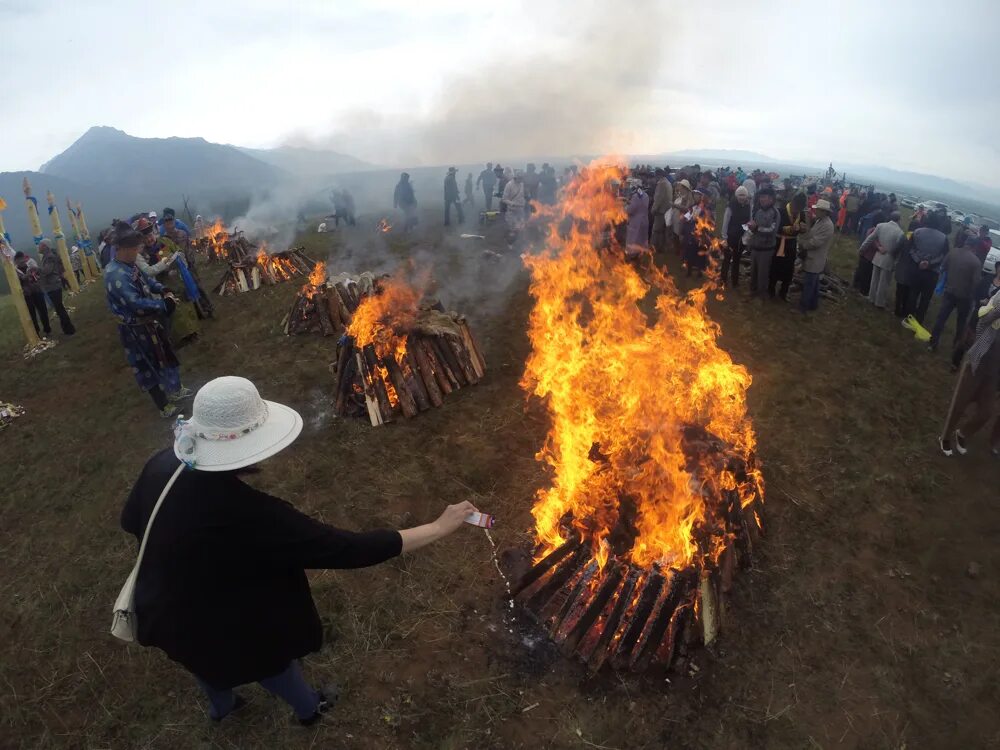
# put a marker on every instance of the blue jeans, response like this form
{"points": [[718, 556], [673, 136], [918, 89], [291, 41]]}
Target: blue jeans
{"points": [[810, 292], [289, 685]]}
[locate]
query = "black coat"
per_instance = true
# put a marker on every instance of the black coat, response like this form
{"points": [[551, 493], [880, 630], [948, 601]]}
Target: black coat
{"points": [[222, 588]]}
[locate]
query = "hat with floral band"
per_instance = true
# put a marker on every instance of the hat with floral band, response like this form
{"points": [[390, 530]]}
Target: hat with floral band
{"points": [[232, 427]]}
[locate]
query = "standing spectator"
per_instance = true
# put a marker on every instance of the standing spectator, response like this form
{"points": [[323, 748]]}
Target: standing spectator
{"points": [[51, 281], [977, 385], [531, 178], [737, 214], [917, 220], [695, 256], [917, 270], [140, 330], [547, 185], [637, 235], [76, 263], [852, 204], [514, 201], [986, 290], [963, 271], [222, 586], [404, 199], [863, 270], [452, 197], [842, 214], [468, 201], [683, 200], [663, 197], [488, 180], [503, 176], [983, 243], [29, 275], [794, 221], [887, 241], [763, 237], [814, 249]]}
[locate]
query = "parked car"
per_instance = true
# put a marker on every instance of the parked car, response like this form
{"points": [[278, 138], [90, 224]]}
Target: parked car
{"points": [[908, 201], [933, 206]]}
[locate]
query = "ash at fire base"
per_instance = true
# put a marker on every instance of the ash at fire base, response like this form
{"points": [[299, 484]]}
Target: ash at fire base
{"points": [[655, 497]]}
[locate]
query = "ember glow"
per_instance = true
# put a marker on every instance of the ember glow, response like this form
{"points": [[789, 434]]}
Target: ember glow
{"points": [[624, 363], [383, 226], [277, 267]]}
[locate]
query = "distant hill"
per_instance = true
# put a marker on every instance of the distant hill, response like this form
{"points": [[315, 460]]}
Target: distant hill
{"points": [[734, 157], [307, 161], [110, 157]]}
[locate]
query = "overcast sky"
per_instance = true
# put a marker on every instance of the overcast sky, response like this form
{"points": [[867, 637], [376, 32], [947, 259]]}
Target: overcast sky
{"points": [[911, 85]]}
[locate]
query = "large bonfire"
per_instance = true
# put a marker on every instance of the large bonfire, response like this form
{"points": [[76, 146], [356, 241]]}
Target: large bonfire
{"points": [[650, 446]]}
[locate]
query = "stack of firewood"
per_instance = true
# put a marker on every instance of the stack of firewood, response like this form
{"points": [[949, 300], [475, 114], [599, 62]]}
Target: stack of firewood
{"points": [[326, 307], [259, 268], [435, 356]]}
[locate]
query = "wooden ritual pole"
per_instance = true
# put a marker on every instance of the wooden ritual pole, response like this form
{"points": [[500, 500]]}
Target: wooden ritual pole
{"points": [[60, 239], [14, 283], [87, 243], [78, 241]]}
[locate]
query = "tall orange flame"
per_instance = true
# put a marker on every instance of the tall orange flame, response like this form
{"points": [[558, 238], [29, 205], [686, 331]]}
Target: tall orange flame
{"points": [[624, 362], [383, 319]]}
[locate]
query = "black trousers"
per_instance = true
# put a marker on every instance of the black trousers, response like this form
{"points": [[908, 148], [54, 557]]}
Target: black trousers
{"points": [[863, 276], [731, 263], [65, 323], [447, 212], [39, 312], [488, 197], [782, 271], [921, 292], [902, 308]]}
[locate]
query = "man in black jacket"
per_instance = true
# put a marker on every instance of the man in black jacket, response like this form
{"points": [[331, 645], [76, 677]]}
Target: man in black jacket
{"points": [[452, 197]]}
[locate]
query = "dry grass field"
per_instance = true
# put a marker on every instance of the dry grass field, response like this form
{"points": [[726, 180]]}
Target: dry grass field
{"points": [[859, 627]]}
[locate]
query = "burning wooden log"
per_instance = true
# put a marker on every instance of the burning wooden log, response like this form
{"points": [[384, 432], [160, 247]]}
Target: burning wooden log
{"points": [[632, 617], [249, 267]]}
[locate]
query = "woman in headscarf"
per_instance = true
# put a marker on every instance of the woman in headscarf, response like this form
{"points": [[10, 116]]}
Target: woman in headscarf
{"points": [[221, 585], [157, 259]]}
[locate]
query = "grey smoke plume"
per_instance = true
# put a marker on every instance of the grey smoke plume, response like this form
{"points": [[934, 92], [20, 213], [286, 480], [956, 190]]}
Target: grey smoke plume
{"points": [[273, 215], [583, 94]]}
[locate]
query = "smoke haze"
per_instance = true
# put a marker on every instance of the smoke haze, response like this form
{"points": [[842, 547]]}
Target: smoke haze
{"points": [[582, 93]]}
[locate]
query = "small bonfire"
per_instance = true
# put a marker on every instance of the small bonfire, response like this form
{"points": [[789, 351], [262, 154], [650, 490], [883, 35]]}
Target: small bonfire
{"points": [[398, 357]]}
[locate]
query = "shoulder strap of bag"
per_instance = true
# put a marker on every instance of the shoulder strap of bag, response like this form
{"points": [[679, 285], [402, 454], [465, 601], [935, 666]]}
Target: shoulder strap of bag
{"points": [[156, 508]]}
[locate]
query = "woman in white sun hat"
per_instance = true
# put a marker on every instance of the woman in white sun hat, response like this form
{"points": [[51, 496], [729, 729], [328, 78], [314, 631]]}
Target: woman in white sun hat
{"points": [[222, 587]]}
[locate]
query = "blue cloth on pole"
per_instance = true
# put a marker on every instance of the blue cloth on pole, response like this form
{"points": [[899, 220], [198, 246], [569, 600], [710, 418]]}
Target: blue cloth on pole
{"points": [[189, 283]]}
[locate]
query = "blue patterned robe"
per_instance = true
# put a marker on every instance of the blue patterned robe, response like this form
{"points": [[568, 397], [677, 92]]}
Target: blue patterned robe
{"points": [[147, 346]]}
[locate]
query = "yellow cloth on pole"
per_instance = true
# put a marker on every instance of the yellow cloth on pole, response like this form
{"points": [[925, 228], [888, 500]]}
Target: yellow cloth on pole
{"points": [[15, 284], [85, 233], [60, 239], [78, 241]]}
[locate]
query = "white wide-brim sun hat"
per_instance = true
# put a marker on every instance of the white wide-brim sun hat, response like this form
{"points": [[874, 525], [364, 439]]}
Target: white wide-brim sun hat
{"points": [[231, 427]]}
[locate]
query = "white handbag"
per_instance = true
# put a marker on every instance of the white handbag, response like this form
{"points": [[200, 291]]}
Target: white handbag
{"points": [[123, 625]]}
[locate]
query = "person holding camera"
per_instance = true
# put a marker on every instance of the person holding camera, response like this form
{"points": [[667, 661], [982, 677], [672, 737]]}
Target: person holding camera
{"points": [[139, 302]]}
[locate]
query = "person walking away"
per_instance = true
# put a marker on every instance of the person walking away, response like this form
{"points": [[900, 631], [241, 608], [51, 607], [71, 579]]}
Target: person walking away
{"points": [[451, 197], [761, 240], [468, 189], [513, 205], [977, 385], [222, 588], [814, 249], [737, 214], [637, 234], [794, 221], [142, 335], [404, 199], [917, 270], [51, 282], [963, 271], [488, 180], [663, 197], [29, 274], [887, 241]]}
